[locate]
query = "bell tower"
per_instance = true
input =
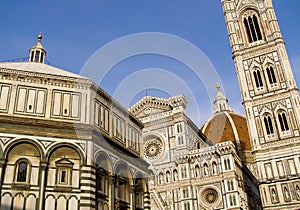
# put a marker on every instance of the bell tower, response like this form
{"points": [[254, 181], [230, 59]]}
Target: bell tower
{"points": [[270, 98]]}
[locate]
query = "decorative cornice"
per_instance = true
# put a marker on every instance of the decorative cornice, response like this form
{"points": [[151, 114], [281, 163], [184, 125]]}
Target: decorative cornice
{"points": [[44, 79]]}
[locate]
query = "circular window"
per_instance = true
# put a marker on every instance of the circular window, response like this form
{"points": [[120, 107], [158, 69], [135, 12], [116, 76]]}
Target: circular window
{"points": [[153, 149], [210, 196]]}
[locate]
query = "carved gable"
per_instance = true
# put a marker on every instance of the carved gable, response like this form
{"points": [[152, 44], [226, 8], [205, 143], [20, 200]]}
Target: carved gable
{"points": [[153, 105], [241, 4]]}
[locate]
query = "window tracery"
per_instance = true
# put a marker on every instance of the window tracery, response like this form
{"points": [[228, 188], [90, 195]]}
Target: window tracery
{"points": [[268, 125], [258, 79], [283, 121], [252, 26], [271, 75], [210, 197]]}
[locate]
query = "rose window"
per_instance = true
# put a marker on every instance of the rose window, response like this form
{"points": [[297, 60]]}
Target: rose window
{"points": [[153, 149], [210, 196]]}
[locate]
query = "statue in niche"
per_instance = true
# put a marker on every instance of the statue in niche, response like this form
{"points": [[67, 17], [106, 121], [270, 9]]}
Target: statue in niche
{"points": [[269, 171], [274, 196], [280, 169], [175, 175], [286, 193], [205, 168], [197, 171], [214, 168], [298, 191]]}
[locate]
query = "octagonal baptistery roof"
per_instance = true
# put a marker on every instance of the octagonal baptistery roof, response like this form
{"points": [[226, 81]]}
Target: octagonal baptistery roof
{"points": [[38, 68]]}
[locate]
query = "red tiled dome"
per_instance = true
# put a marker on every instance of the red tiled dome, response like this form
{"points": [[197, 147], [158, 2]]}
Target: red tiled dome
{"points": [[227, 126]]}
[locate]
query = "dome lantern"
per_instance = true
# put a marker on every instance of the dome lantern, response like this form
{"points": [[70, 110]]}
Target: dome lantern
{"points": [[220, 102], [37, 53]]}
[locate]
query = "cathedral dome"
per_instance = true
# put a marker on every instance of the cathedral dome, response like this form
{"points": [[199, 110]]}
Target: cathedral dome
{"points": [[225, 125], [228, 126]]}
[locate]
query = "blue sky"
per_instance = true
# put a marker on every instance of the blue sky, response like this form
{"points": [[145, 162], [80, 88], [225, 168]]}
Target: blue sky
{"points": [[74, 30]]}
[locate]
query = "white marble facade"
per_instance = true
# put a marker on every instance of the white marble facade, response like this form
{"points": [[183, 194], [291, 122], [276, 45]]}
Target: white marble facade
{"points": [[65, 143], [187, 171]]}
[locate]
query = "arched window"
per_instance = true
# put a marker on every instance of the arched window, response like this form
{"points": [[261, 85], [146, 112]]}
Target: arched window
{"points": [[257, 78], [283, 122], [168, 176], [22, 171], [252, 28], [268, 125], [271, 75]]}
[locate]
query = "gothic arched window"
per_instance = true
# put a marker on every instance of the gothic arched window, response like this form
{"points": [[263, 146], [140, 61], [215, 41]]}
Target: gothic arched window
{"points": [[22, 171], [168, 176], [283, 122], [257, 78], [252, 28], [268, 125], [271, 75]]}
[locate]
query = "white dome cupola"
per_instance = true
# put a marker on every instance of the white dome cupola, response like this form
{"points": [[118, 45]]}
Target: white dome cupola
{"points": [[37, 53], [221, 102]]}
